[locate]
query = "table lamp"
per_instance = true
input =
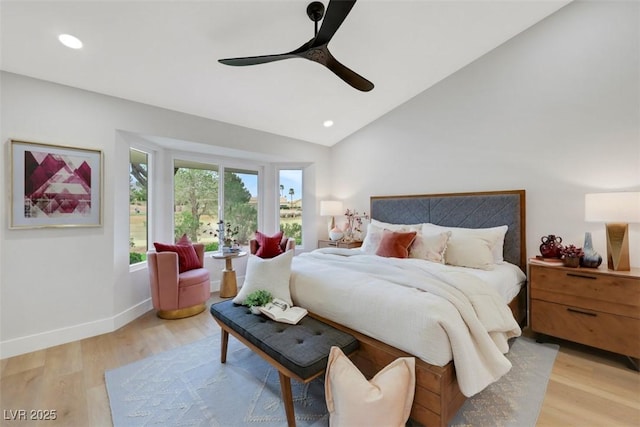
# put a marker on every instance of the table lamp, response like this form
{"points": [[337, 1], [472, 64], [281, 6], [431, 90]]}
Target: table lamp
{"points": [[331, 208], [617, 210]]}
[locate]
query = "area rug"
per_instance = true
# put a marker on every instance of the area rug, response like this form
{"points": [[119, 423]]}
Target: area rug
{"points": [[188, 386]]}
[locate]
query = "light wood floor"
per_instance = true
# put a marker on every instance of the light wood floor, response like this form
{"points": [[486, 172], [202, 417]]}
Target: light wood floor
{"points": [[587, 387]]}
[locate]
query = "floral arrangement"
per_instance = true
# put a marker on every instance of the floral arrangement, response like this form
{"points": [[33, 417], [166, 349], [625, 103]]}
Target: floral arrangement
{"points": [[226, 234], [571, 251], [353, 227]]}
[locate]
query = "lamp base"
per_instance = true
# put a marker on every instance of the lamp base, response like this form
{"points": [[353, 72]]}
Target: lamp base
{"points": [[618, 247], [331, 226]]}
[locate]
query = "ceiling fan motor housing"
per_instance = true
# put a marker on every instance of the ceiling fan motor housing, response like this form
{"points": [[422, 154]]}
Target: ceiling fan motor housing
{"points": [[315, 11]]}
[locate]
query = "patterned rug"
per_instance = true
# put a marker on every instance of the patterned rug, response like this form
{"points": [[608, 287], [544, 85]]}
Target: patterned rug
{"points": [[188, 386]]}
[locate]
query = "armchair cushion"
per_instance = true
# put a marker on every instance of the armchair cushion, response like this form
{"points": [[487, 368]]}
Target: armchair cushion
{"points": [[268, 246], [187, 257]]}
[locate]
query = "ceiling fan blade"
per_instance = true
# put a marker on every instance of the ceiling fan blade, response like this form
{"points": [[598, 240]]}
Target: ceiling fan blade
{"points": [[349, 76], [263, 59], [337, 11], [254, 60]]}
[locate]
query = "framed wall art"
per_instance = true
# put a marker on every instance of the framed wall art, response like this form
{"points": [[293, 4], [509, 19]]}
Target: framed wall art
{"points": [[55, 186]]}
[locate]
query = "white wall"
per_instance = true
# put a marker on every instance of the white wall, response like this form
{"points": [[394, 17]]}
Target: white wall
{"points": [[59, 285], [554, 111]]}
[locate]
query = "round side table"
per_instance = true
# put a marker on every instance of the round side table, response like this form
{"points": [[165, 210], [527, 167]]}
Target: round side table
{"points": [[228, 284]]}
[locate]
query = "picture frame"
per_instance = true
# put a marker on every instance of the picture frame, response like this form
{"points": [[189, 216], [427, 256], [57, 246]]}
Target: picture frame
{"points": [[55, 186]]}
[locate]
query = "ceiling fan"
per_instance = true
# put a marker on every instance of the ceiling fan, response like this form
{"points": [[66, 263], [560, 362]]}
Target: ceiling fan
{"points": [[316, 49]]}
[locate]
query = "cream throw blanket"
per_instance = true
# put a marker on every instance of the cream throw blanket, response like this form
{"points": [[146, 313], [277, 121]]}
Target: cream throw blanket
{"points": [[424, 308]]}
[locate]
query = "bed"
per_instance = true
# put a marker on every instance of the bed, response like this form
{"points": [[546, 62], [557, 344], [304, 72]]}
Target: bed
{"points": [[325, 276]]}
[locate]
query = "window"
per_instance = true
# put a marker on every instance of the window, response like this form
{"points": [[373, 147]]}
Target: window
{"points": [[241, 202], [195, 201], [291, 203], [198, 206], [138, 205]]}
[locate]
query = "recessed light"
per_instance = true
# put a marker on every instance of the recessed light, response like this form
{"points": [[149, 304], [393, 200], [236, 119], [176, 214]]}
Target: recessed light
{"points": [[328, 123], [70, 41]]}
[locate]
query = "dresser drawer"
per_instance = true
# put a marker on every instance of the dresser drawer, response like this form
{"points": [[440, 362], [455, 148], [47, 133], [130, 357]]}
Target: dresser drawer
{"points": [[619, 334], [580, 287]]}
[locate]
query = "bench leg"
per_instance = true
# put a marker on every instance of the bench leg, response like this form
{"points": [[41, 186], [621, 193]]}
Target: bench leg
{"points": [[287, 399], [223, 348]]}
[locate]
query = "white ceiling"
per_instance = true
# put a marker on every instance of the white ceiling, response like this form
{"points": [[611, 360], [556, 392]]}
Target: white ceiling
{"points": [[165, 53]]}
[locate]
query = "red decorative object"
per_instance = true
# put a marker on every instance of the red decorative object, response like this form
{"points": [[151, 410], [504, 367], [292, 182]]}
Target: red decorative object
{"points": [[550, 247], [187, 256], [269, 245]]}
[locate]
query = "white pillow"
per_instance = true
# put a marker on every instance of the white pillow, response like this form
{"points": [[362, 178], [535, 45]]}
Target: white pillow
{"points": [[374, 234], [469, 251], [270, 274], [430, 247], [494, 235], [385, 400]]}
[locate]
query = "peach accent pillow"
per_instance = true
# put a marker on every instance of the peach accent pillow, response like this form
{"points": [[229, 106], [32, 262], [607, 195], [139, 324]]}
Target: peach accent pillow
{"points": [[395, 244], [385, 400], [430, 247], [374, 234]]}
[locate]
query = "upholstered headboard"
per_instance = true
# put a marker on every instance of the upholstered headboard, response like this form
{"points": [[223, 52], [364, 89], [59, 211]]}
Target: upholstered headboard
{"points": [[470, 210]]}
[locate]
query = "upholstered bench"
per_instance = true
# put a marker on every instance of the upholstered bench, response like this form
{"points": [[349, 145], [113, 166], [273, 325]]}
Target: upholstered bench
{"points": [[296, 351]]}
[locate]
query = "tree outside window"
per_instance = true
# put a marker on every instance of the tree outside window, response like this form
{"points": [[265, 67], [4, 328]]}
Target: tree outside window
{"points": [[241, 202], [196, 198]]}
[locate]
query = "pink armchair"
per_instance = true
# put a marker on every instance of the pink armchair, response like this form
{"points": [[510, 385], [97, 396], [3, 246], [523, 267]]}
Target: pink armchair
{"points": [[177, 295]]}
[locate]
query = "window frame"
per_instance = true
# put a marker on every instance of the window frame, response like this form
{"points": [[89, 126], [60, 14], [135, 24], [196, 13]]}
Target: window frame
{"points": [[306, 200], [223, 163], [152, 154]]}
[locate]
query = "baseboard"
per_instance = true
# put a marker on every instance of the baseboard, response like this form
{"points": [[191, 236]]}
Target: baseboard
{"points": [[29, 343]]}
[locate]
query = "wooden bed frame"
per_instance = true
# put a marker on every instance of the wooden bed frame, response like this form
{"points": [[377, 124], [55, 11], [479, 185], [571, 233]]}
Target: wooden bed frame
{"points": [[437, 395]]}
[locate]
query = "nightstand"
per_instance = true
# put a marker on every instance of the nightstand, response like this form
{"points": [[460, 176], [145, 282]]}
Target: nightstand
{"points": [[338, 244], [596, 307]]}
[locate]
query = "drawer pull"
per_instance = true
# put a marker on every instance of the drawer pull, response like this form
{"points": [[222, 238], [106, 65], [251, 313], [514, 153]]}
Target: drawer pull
{"points": [[332, 244], [586, 313], [582, 276]]}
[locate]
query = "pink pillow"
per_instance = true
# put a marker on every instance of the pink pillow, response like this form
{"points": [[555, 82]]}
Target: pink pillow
{"points": [[184, 240], [385, 400], [395, 244], [187, 256], [268, 246]]}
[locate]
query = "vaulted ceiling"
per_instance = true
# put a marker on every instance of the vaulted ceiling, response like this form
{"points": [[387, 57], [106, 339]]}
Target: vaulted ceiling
{"points": [[165, 53]]}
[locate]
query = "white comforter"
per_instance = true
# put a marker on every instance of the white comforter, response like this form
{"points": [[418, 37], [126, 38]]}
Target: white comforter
{"points": [[426, 309]]}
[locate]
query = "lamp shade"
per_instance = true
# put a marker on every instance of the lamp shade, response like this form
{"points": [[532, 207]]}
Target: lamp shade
{"points": [[331, 208], [623, 207]]}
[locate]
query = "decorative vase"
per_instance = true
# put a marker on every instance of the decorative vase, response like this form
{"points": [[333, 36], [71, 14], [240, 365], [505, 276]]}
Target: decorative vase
{"points": [[550, 247], [591, 258], [255, 309], [572, 262]]}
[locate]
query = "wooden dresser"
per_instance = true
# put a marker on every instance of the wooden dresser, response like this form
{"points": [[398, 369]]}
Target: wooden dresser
{"points": [[596, 307]]}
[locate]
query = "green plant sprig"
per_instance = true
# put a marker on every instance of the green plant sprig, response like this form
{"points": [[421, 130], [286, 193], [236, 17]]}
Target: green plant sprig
{"points": [[258, 298]]}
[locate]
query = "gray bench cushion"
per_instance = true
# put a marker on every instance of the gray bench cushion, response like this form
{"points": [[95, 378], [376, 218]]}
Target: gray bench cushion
{"points": [[302, 348]]}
